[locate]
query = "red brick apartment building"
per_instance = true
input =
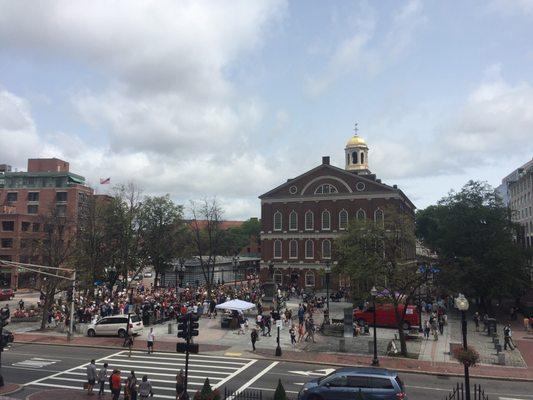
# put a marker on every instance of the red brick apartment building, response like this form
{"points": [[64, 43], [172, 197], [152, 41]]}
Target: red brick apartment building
{"points": [[302, 217], [24, 198]]}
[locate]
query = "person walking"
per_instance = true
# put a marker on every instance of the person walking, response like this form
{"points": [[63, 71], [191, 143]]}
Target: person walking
{"points": [[102, 377], [427, 329], [301, 332], [180, 385], [115, 383], [130, 388], [508, 337], [292, 332], [145, 388], [476, 320], [253, 337], [441, 324], [91, 377], [150, 341]]}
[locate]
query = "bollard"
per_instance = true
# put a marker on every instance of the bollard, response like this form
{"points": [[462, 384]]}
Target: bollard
{"points": [[170, 327]]}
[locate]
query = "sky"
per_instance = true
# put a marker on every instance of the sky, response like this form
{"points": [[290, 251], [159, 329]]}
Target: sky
{"points": [[228, 99]]}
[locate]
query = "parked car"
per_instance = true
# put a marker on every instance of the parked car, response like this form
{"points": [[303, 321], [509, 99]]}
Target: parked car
{"points": [[115, 325], [386, 316], [346, 383], [6, 294]]}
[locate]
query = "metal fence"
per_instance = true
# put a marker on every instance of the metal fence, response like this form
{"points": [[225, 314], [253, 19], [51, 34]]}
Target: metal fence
{"points": [[246, 394], [458, 393]]}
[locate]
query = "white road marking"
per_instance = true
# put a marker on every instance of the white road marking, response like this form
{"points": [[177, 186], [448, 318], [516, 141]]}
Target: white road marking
{"points": [[234, 374], [317, 372], [35, 362], [255, 378]]}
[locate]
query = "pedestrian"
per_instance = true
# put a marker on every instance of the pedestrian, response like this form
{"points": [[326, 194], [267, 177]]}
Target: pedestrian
{"points": [[115, 383], [21, 304], [150, 341], [91, 377], [268, 324], [476, 320], [508, 337], [526, 323], [253, 337], [102, 377], [129, 343], [485, 322], [441, 324], [427, 329], [301, 332], [241, 324], [292, 332], [145, 388], [180, 385], [130, 388]]}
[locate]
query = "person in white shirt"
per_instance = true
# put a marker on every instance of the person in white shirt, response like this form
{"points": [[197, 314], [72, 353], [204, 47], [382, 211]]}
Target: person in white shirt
{"points": [[150, 341], [145, 388]]}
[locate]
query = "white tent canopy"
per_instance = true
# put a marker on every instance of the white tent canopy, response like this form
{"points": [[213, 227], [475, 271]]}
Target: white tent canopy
{"points": [[237, 305]]}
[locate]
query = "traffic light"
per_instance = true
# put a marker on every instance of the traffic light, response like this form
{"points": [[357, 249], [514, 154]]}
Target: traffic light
{"points": [[183, 326], [193, 325]]}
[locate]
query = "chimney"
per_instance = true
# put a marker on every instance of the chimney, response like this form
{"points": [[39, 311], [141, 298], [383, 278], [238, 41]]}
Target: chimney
{"points": [[325, 160], [395, 186]]}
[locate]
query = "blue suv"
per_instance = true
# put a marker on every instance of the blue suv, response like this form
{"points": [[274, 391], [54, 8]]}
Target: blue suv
{"points": [[355, 383]]}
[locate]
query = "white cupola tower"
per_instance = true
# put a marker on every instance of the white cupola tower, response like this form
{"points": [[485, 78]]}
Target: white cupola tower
{"points": [[356, 152]]}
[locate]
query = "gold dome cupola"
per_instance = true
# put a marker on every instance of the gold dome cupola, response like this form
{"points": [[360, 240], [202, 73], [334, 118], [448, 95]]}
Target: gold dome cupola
{"points": [[356, 152]]}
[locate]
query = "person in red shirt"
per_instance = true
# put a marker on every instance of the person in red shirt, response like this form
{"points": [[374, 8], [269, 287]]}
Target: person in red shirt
{"points": [[115, 383]]}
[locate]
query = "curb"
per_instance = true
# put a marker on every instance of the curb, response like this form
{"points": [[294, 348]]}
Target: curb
{"points": [[254, 356], [18, 388]]}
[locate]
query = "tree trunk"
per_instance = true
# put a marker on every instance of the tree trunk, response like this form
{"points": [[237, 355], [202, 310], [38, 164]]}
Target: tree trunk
{"points": [[48, 301], [403, 344]]}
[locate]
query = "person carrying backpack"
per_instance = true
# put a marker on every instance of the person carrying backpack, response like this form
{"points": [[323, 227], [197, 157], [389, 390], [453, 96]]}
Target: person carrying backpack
{"points": [[102, 376]]}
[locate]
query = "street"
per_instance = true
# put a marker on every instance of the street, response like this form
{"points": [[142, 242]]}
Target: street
{"points": [[41, 367]]}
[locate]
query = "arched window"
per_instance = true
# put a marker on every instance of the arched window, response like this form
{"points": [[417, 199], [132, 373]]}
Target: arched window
{"points": [[354, 157], [326, 220], [277, 221], [293, 221], [278, 277], [362, 158], [361, 215], [293, 249], [309, 249], [347, 158], [343, 220], [309, 221], [277, 249], [326, 248], [310, 279], [326, 188], [379, 216]]}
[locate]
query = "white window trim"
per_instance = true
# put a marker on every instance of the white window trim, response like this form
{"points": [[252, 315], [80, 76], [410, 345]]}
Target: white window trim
{"points": [[312, 221], [341, 228], [323, 256], [314, 279], [382, 213], [364, 215], [280, 221], [275, 275], [294, 228], [322, 220], [312, 250], [280, 249], [293, 257], [332, 189]]}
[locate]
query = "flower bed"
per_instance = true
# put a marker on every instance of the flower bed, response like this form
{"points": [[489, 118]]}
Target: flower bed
{"points": [[25, 316]]}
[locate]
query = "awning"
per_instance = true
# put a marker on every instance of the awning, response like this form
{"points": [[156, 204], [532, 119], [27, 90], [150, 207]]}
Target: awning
{"points": [[237, 305]]}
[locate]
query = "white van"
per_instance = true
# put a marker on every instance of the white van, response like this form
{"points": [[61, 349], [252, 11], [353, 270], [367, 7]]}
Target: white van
{"points": [[116, 325]]}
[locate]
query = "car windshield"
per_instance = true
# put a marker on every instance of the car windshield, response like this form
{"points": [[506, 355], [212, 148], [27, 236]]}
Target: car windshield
{"points": [[324, 377], [135, 318]]}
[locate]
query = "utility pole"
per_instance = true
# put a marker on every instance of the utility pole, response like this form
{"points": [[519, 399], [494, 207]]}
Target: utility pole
{"points": [[71, 325], [187, 328]]}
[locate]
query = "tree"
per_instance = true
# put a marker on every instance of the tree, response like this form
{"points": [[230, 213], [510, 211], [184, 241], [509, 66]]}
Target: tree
{"points": [[162, 223], [207, 237], [381, 254], [280, 393], [474, 236]]}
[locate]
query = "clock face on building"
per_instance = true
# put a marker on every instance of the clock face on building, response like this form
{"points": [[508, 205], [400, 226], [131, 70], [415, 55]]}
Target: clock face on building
{"points": [[360, 186], [293, 189]]}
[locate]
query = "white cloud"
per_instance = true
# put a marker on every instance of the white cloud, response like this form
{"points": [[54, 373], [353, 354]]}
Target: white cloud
{"points": [[512, 7]]}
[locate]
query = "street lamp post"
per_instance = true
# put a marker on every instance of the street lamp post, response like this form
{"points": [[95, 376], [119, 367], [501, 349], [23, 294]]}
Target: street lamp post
{"points": [[328, 273], [374, 293], [461, 302], [235, 263]]}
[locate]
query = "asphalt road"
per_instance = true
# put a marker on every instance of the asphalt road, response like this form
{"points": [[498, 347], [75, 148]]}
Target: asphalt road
{"points": [[61, 366]]}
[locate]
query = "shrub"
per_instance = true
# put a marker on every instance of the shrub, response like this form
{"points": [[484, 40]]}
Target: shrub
{"points": [[468, 357], [207, 393], [280, 394]]}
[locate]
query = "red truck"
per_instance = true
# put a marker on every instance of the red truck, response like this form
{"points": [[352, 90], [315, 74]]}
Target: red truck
{"points": [[386, 316]]}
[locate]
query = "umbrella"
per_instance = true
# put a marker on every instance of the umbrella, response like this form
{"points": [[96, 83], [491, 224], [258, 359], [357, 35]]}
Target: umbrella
{"points": [[237, 305]]}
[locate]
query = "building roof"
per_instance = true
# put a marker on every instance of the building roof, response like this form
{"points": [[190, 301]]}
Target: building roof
{"points": [[224, 225]]}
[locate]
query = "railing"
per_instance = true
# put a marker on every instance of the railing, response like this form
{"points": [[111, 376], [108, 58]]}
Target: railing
{"points": [[458, 393], [246, 394]]}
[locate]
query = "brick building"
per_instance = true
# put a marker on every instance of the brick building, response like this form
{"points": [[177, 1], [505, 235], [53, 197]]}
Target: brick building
{"points": [[25, 197], [302, 217]]}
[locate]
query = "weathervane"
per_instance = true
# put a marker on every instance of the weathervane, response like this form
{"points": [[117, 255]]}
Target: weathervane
{"points": [[356, 129]]}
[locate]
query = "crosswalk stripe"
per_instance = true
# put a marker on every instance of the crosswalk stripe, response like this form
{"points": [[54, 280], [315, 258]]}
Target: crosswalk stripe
{"points": [[158, 396], [130, 366], [183, 359], [139, 373], [195, 355], [191, 364]]}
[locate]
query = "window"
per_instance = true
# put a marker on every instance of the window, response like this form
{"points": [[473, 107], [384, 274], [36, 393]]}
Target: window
{"points": [[12, 197], [360, 382], [8, 226], [278, 278], [277, 221], [338, 381], [326, 220], [293, 221], [293, 249], [61, 196], [343, 220], [36, 227], [326, 249], [277, 248], [309, 279], [347, 159], [25, 226], [378, 216], [362, 158], [381, 383], [360, 186], [61, 210], [33, 208], [361, 215], [309, 221], [6, 243], [354, 157], [33, 196], [326, 188], [309, 249]]}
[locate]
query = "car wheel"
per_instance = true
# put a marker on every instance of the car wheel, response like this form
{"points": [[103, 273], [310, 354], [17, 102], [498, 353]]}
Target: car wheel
{"points": [[121, 333], [406, 326], [91, 333]]}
